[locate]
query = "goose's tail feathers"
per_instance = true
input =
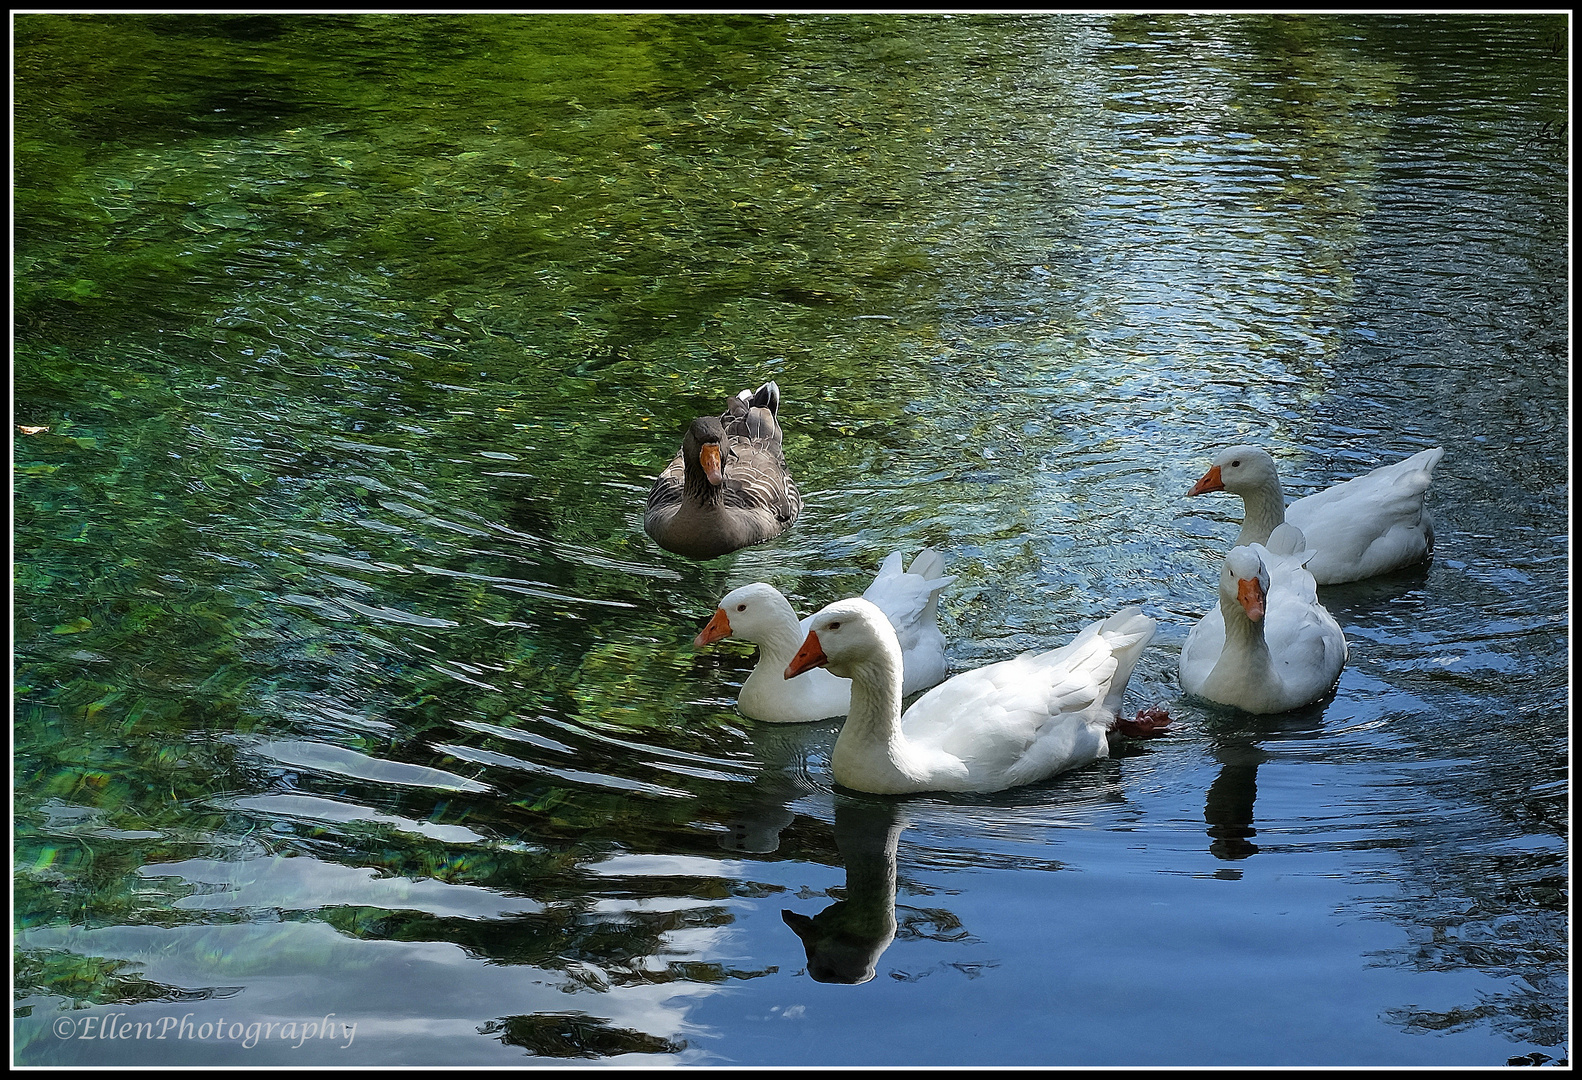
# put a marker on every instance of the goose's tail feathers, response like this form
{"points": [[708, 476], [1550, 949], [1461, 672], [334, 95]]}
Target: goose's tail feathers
{"points": [[1127, 633], [766, 396]]}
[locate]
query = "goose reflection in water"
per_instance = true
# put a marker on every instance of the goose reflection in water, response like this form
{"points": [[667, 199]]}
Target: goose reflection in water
{"points": [[1228, 804], [845, 940], [1238, 739], [782, 752]]}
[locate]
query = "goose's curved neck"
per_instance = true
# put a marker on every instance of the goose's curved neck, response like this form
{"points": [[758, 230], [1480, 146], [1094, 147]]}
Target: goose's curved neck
{"points": [[778, 638], [1263, 511], [871, 739], [777, 644], [1245, 645], [876, 697]]}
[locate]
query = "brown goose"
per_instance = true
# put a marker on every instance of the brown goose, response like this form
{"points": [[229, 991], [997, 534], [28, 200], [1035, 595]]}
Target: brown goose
{"points": [[728, 488]]}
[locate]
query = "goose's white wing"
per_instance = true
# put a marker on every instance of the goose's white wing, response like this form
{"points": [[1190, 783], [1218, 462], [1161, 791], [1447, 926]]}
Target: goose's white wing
{"points": [[1374, 523]]}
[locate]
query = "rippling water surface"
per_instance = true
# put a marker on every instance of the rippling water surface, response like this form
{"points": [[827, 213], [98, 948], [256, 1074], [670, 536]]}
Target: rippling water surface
{"points": [[350, 693]]}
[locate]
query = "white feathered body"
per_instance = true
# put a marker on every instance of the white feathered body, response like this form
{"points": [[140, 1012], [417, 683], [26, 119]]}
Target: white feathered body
{"points": [[1291, 657], [1000, 726], [1378, 522]]}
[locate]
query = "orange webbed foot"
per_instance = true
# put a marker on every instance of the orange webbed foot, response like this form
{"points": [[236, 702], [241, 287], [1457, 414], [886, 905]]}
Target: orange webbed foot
{"points": [[1148, 723]]}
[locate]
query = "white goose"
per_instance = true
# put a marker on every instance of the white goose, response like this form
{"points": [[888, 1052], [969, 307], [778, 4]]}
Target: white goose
{"points": [[760, 613], [1370, 525], [1000, 726], [1270, 646]]}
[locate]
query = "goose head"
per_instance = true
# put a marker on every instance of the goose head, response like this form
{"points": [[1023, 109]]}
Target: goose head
{"points": [[1238, 469], [704, 448], [844, 635], [841, 943], [1245, 580], [751, 612]]}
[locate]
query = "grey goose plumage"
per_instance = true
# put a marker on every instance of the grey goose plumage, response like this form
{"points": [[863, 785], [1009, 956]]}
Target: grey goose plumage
{"points": [[728, 487]]}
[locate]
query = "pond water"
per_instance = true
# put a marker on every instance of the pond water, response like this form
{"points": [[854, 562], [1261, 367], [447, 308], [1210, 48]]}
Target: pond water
{"points": [[358, 722]]}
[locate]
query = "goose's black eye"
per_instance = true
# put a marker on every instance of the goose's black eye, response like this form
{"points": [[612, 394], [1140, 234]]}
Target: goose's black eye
{"points": [[1236, 463], [741, 607], [834, 626]]}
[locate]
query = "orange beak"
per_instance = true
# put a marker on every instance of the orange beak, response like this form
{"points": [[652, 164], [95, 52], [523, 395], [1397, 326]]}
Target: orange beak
{"points": [[709, 458], [1210, 482], [719, 626], [808, 657], [1249, 594]]}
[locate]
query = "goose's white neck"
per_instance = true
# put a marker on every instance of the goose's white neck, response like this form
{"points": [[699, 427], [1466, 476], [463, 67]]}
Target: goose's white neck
{"points": [[1263, 510], [871, 752], [777, 644], [1245, 659], [766, 691]]}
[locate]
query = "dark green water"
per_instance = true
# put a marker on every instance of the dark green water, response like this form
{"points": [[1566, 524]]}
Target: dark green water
{"points": [[347, 683]]}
